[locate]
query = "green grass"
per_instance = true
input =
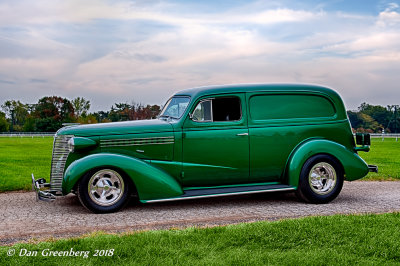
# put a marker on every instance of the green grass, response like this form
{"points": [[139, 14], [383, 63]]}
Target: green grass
{"points": [[386, 155], [332, 240], [20, 157]]}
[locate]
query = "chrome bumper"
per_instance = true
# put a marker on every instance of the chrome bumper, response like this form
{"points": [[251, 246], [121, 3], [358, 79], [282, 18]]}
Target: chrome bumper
{"points": [[42, 194], [373, 168]]}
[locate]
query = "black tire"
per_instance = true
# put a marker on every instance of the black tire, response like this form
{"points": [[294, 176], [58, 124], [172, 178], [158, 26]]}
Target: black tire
{"points": [[321, 179], [103, 191]]}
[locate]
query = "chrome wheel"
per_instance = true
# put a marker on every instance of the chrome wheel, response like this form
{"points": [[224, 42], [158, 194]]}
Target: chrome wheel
{"points": [[322, 178], [106, 187]]}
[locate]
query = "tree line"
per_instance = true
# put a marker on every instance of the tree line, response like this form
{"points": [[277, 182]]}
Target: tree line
{"points": [[50, 113], [375, 118]]}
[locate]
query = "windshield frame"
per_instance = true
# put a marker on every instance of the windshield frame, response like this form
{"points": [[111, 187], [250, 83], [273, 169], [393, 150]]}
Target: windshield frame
{"points": [[162, 115]]}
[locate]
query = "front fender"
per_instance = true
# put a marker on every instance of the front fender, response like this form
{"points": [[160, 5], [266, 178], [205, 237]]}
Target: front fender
{"points": [[353, 165], [150, 182]]}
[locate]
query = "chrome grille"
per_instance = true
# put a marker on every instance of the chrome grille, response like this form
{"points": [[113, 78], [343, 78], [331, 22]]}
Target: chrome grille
{"points": [[60, 155]]}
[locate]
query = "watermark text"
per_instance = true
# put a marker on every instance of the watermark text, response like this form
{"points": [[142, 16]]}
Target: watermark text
{"points": [[23, 252]]}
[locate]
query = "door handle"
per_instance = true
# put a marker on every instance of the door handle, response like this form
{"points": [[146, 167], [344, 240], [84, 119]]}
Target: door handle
{"points": [[242, 134]]}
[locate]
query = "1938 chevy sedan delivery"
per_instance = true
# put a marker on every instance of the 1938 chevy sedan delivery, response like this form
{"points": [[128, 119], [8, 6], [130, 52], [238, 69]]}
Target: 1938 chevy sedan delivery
{"points": [[212, 141]]}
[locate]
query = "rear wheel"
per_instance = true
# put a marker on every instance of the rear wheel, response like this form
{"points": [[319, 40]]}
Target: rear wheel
{"points": [[321, 179], [103, 191]]}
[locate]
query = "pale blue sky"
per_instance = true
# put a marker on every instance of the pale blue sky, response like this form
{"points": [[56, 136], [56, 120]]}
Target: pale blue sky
{"points": [[144, 51]]}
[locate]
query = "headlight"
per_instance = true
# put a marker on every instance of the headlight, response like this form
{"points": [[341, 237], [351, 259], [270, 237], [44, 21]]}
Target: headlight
{"points": [[71, 145]]}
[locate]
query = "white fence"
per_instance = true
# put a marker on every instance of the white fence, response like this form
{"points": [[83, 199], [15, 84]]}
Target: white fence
{"points": [[383, 136], [27, 134], [386, 135]]}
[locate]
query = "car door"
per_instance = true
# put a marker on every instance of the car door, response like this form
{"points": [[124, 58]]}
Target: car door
{"points": [[215, 142]]}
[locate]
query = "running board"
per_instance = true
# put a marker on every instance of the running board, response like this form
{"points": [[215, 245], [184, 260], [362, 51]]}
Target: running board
{"points": [[228, 191]]}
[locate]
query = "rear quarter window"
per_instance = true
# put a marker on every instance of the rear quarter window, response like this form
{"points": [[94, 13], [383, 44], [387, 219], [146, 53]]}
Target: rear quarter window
{"points": [[291, 106]]}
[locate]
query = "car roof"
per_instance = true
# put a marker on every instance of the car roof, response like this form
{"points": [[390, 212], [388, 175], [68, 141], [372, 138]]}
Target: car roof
{"points": [[237, 88]]}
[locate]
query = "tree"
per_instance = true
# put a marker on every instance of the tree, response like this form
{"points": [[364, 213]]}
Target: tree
{"points": [[51, 112], [394, 121], [114, 114], [154, 110], [29, 125], [374, 118], [81, 106], [379, 113], [125, 111], [102, 116], [147, 112], [368, 122], [4, 125], [133, 111], [355, 121], [17, 112], [88, 119]]}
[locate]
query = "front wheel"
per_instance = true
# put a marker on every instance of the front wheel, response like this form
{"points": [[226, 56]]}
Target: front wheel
{"points": [[321, 179], [103, 191]]}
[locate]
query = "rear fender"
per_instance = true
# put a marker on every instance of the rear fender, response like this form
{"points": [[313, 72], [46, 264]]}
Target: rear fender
{"points": [[150, 182], [353, 165]]}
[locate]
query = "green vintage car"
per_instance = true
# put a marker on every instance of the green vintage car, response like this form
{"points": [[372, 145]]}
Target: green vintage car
{"points": [[209, 142]]}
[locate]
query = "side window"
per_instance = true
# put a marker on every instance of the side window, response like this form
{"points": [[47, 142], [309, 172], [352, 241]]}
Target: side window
{"points": [[203, 111], [218, 110]]}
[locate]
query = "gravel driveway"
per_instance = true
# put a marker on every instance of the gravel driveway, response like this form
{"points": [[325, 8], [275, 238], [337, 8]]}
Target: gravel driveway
{"points": [[22, 218]]}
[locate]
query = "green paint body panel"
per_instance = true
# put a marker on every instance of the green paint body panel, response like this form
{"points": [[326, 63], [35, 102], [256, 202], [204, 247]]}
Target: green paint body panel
{"points": [[150, 182], [216, 153], [164, 157], [160, 146], [117, 128], [83, 143], [271, 146], [354, 167]]}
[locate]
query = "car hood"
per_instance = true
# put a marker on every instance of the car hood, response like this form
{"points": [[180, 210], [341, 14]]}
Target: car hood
{"points": [[117, 128]]}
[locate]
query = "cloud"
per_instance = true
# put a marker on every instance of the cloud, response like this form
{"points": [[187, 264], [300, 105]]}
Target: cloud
{"points": [[145, 57], [24, 12], [7, 82], [38, 80], [110, 51], [390, 16]]}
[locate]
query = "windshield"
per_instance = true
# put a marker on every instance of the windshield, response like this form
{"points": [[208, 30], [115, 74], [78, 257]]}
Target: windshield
{"points": [[175, 107]]}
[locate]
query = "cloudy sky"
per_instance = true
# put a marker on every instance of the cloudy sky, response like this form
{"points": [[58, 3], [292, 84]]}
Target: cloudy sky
{"points": [[145, 50]]}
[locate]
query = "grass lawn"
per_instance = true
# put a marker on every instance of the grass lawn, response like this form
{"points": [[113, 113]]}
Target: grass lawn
{"points": [[20, 157], [386, 155], [331, 240]]}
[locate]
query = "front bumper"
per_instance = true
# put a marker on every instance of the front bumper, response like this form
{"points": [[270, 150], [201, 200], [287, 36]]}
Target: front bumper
{"points": [[44, 195]]}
